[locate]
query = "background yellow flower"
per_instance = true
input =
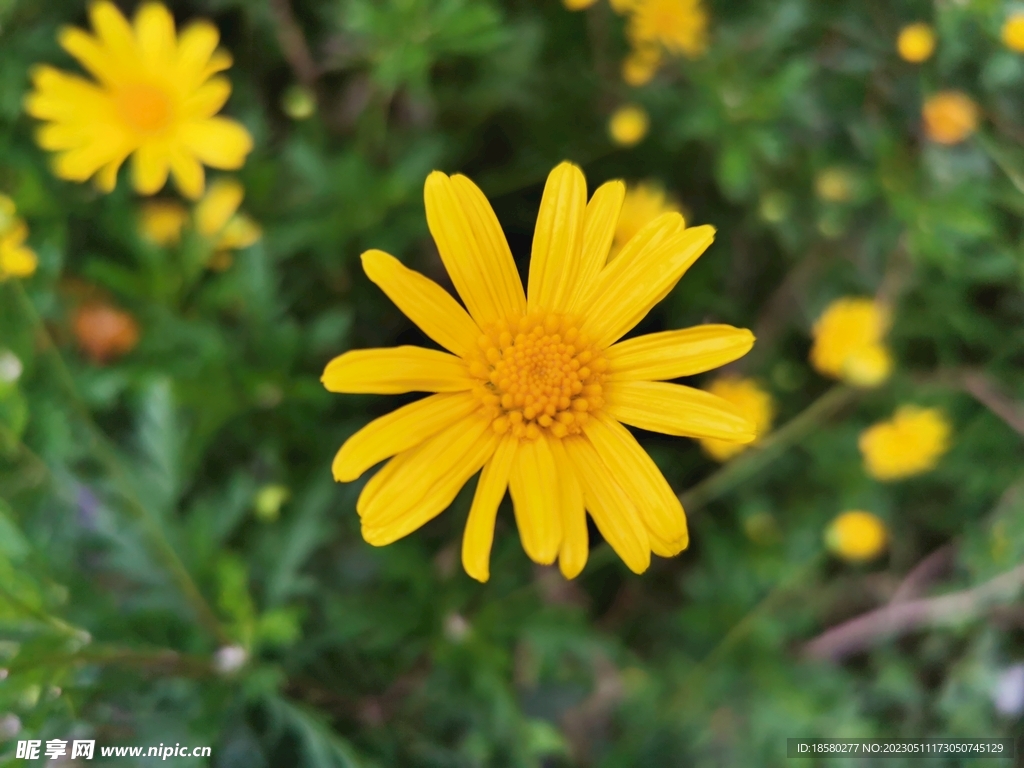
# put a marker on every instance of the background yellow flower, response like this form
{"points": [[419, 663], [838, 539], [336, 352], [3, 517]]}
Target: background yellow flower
{"points": [[644, 202], [628, 125], [949, 117], [752, 401], [856, 536], [849, 342], [155, 97], [910, 443], [916, 42]]}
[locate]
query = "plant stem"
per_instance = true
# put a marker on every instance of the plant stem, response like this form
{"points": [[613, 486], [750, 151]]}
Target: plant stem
{"points": [[752, 461], [106, 453]]}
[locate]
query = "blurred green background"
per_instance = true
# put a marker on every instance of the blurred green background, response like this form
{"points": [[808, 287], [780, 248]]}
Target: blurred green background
{"points": [[177, 565]]}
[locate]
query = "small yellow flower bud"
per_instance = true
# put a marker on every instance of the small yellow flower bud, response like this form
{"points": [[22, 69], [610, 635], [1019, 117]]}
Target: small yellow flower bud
{"points": [[856, 536]]}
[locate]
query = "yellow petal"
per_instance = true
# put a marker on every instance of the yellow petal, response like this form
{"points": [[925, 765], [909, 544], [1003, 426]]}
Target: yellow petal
{"points": [[17, 261], [150, 166], [614, 513], [218, 142], [473, 248], [91, 55], [499, 262], [640, 478], [490, 490], [207, 99], [424, 302], [638, 278], [557, 240], [572, 555], [399, 431], [672, 354], [218, 206], [113, 31], [532, 482], [81, 164], [427, 484], [189, 176], [196, 45], [154, 34], [598, 232], [106, 177], [240, 232], [676, 410], [395, 370]]}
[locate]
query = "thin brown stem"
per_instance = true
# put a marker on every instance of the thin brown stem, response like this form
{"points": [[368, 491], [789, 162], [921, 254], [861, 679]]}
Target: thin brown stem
{"points": [[293, 44]]}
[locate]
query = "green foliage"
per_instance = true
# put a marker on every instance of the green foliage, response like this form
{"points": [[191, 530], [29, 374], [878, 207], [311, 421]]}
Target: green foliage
{"points": [[177, 565]]}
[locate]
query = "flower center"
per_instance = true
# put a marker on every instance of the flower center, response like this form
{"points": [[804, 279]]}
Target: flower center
{"points": [[145, 107], [538, 373]]}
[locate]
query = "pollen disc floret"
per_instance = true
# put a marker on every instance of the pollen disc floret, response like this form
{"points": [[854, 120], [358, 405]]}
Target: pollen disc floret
{"points": [[538, 372]]}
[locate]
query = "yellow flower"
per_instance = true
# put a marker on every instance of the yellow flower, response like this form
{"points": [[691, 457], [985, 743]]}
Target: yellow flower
{"points": [[628, 125], [644, 202], [641, 65], [161, 221], [750, 400], [679, 26], [155, 97], [949, 117], [834, 185], [911, 443], [1013, 33], [856, 536], [539, 384], [16, 259], [848, 342], [916, 42], [217, 219]]}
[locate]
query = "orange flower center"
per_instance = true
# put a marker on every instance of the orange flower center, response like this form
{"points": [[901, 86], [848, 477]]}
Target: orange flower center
{"points": [[538, 373], [145, 107]]}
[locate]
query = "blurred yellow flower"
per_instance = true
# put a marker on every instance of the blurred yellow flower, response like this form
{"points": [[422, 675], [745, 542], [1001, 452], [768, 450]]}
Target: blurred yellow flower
{"points": [[856, 536], [644, 202], [849, 342], [161, 221], [628, 125], [16, 258], [155, 97], [218, 220], [750, 400], [641, 65], [916, 42], [910, 443], [1013, 32], [834, 185], [679, 26], [578, 5], [539, 385], [950, 117]]}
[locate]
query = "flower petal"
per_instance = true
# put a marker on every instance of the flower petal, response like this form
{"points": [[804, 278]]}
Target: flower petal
{"points": [[155, 36], [196, 45], [643, 273], [424, 302], [189, 176], [613, 511], [426, 483], [218, 206], [218, 142], [207, 99], [490, 490], [598, 232], [150, 166], [676, 410], [399, 431], [473, 248], [557, 240], [639, 476], [395, 370], [91, 55], [672, 354], [575, 549], [538, 518], [114, 32]]}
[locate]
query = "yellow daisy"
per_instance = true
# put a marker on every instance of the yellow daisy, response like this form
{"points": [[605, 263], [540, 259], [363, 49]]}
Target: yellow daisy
{"points": [[856, 536], [679, 26], [155, 97], [539, 384], [16, 258], [911, 443], [849, 341]]}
